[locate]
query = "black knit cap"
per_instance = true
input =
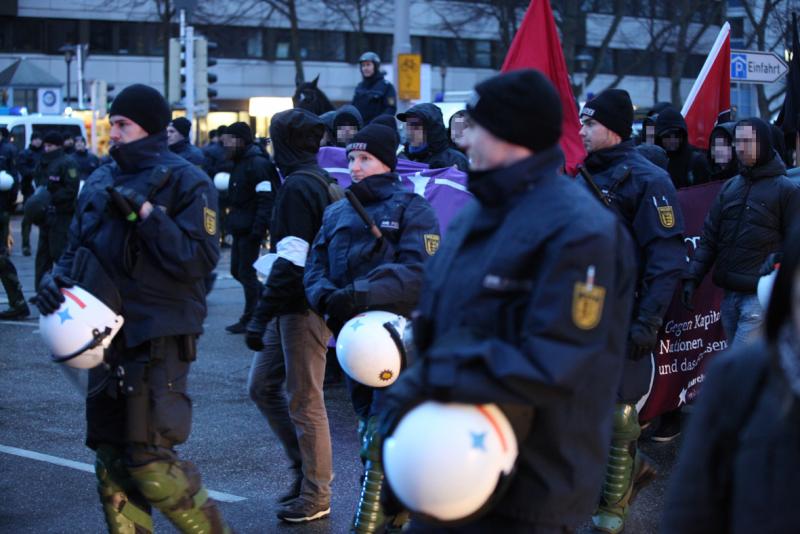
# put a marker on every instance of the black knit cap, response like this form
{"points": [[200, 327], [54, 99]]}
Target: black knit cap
{"points": [[143, 105], [521, 107], [240, 130], [183, 126], [378, 140], [53, 138], [613, 109]]}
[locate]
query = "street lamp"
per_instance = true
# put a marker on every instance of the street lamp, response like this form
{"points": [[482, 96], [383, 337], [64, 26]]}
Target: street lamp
{"points": [[69, 53], [443, 72]]}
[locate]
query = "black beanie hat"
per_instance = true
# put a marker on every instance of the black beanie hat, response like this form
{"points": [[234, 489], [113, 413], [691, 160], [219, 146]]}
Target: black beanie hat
{"points": [[183, 126], [53, 138], [613, 109], [378, 140], [240, 130], [521, 107], [143, 105]]}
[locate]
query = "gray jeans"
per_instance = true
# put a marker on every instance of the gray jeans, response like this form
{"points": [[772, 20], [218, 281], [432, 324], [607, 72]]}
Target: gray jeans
{"points": [[741, 316], [285, 382]]}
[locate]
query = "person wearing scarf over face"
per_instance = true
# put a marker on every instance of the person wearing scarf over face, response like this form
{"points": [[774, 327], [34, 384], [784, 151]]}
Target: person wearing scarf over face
{"points": [[350, 271]]}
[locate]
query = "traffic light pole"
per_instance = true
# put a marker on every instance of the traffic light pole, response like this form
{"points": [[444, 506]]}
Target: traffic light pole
{"points": [[402, 41], [187, 40]]}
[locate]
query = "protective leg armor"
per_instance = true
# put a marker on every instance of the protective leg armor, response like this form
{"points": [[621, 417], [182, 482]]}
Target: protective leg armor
{"points": [[176, 490], [125, 509], [627, 471]]}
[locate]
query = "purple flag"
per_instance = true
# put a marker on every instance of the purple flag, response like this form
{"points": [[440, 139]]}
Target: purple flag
{"points": [[445, 189]]}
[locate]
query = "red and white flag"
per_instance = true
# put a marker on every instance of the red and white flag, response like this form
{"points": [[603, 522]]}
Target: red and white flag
{"points": [[537, 46], [711, 92]]}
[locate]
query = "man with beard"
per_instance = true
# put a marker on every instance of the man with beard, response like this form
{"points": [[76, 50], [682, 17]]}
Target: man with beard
{"points": [[251, 193], [146, 225], [641, 195], [374, 95]]}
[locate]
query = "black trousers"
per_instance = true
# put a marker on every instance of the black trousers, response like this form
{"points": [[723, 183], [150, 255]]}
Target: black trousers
{"points": [[244, 252], [8, 273], [141, 403], [53, 239]]}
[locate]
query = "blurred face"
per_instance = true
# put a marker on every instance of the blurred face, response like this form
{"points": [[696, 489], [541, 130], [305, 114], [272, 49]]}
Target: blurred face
{"points": [[69, 142], [746, 145], [232, 145], [595, 136], [345, 133], [367, 68], [173, 136], [36, 142], [650, 134], [363, 164], [487, 152], [80, 144], [124, 130], [721, 150], [457, 129], [49, 148], [671, 141], [415, 131]]}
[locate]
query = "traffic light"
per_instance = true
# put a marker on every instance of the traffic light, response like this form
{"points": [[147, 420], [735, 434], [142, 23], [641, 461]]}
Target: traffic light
{"points": [[101, 97], [202, 78], [177, 64]]}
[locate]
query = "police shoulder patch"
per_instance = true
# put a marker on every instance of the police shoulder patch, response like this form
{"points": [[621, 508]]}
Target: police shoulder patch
{"points": [[587, 302], [431, 243], [210, 221], [666, 216]]}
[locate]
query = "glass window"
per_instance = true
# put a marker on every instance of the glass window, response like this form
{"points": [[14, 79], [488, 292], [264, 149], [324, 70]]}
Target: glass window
{"points": [[483, 54], [101, 37], [58, 33]]}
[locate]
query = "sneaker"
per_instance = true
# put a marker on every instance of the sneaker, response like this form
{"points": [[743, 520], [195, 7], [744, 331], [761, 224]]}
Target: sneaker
{"points": [[300, 511], [236, 328], [17, 312], [669, 427]]}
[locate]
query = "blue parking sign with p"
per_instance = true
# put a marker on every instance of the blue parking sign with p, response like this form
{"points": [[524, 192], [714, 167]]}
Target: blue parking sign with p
{"points": [[738, 66]]}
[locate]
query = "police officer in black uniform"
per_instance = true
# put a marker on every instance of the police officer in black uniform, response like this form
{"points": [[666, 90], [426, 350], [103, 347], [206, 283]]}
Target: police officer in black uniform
{"points": [[251, 194], [148, 223], [349, 272], [27, 162], [526, 305], [17, 307], [178, 140], [59, 174], [374, 95], [85, 160], [645, 201]]}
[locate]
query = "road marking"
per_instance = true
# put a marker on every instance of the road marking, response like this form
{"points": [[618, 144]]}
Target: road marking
{"points": [[21, 323], [80, 466]]}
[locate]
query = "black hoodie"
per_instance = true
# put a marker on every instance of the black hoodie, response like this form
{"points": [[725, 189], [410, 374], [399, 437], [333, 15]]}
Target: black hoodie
{"points": [[687, 166], [721, 173], [347, 115], [438, 153]]}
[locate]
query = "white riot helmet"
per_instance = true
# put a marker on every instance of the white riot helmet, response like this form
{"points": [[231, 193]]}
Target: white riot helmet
{"points": [[370, 348], [6, 181], [78, 333], [764, 288], [445, 461], [221, 180]]}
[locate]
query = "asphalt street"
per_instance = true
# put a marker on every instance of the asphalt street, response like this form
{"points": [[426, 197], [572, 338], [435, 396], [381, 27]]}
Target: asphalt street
{"points": [[47, 483]]}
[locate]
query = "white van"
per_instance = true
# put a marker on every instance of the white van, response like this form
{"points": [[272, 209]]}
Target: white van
{"points": [[22, 126]]}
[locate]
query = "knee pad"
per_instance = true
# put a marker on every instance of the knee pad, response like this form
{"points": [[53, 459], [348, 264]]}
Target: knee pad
{"points": [[626, 423], [167, 485]]}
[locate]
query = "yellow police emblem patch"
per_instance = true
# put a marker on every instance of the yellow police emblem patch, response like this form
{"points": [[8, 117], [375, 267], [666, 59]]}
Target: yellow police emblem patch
{"points": [[210, 221], [431, 243], [386, 375], [666, 216], [587, 303]]}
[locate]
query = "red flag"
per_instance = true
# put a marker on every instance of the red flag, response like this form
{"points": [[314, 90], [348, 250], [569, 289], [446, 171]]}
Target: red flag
{"points": [[536, 45], [711, 92]]}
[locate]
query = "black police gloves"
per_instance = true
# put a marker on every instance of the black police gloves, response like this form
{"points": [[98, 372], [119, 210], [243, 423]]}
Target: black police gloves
{"points": [[254, 335], [687, 294], [643, 338], [127, 201], [341, 304], [49, 297]]}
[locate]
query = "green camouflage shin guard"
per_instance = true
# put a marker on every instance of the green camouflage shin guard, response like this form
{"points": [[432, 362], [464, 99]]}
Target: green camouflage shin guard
{"points": [[118, 495], [369, 516]]}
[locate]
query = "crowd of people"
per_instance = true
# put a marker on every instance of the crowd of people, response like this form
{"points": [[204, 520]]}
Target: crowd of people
{"points": [[552, 318]]}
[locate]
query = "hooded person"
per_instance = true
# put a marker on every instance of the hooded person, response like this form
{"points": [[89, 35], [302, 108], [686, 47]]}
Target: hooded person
{"points": [[455, 128], [179, 142], [250, 197], [290, 339], [350, 272], [374, 95], [346, 122], [647, 136], [748, 221], [329, 139], [687, 165], [149, 223], [427, 140], [721, 153]]}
